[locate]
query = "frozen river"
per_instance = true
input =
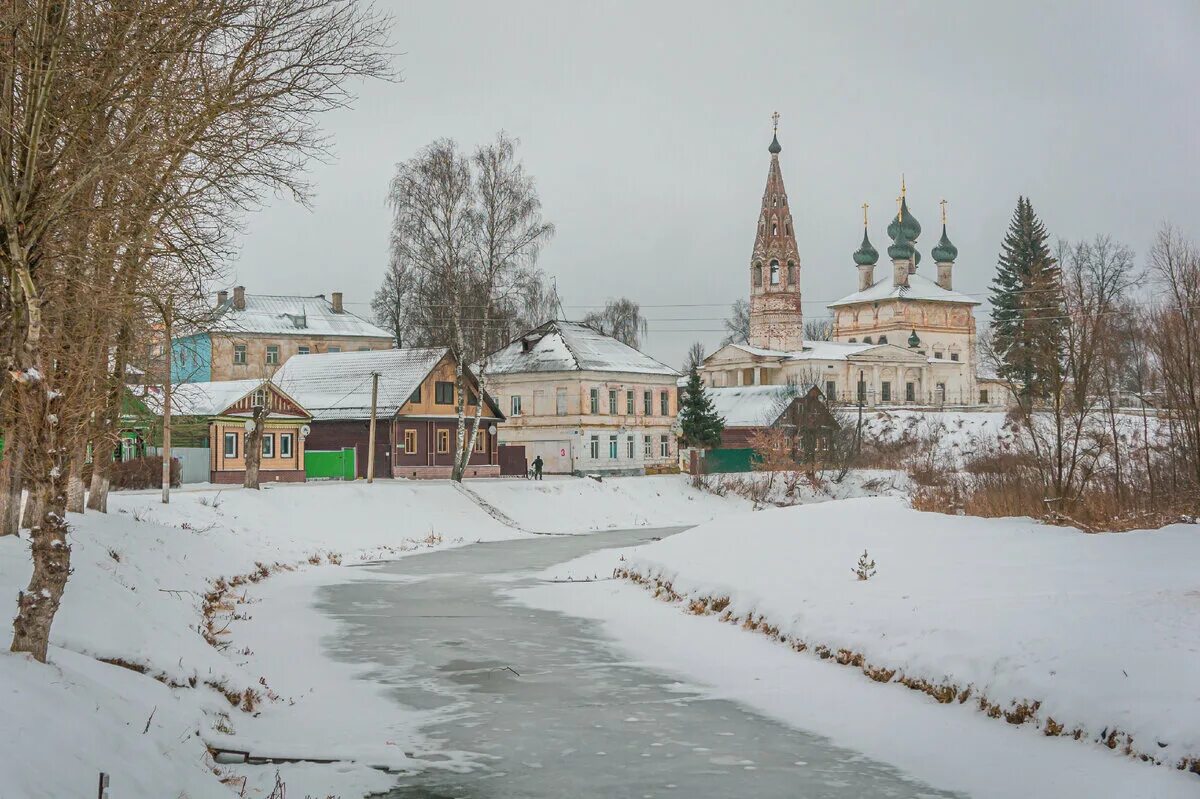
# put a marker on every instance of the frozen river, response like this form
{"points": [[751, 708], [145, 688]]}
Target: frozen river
{"points": [[539, 704]]}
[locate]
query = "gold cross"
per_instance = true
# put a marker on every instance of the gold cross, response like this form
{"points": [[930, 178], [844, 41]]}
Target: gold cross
{"points": [[943, 204], [899, 211], [865, 207], [775, 122], [902, 189]]}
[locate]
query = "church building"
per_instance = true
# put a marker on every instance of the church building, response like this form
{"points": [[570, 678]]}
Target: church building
{"points": [[901, 339]]}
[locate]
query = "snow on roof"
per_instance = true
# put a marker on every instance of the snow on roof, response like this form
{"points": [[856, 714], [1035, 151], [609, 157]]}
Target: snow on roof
{"points": [[287, 315], [569, 347], [919, 288], [751, 406], [337, 385], [201, 399], [813, 350]]}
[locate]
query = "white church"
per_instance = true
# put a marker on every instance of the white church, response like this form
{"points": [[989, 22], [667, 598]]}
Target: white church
{"points": [[900, 339]]}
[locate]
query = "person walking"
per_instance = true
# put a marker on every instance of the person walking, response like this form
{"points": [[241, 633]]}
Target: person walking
{"points": [[537, 467]]}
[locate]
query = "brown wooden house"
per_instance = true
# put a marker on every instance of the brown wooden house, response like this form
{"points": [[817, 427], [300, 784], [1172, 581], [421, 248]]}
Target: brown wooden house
{"points": [[802, 412], [416, 411]]}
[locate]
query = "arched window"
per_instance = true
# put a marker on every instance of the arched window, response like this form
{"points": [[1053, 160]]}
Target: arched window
{"points": [[791, 273], [883, 339], [774, 228], [758, 275], [774, 273], [774, 200], [787, 228], [867, 340]]}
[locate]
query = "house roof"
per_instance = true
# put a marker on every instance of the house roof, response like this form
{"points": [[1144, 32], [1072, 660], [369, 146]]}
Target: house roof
{"points": [[278, 314], [813, 350], [571, 347], [919, 288], [337, 385], [205, 399], [751, 406]]}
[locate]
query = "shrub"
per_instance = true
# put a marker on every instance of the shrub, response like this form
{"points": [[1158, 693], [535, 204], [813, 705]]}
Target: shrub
{"points": [[143, 472]]}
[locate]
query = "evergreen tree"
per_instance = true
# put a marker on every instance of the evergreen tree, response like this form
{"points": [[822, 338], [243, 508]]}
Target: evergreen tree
{"points": [[1027, 304], [698, 418]]}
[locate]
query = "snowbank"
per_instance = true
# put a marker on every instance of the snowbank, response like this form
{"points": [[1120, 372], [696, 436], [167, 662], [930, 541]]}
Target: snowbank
{"points": [[1098, 629], [135, 598]]}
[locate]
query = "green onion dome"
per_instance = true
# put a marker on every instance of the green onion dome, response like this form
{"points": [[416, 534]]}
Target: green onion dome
{"points": [[866, 255], [775, 147], [916, 257], [907, 222], [901, 248], [944, 251], [914, 340]]}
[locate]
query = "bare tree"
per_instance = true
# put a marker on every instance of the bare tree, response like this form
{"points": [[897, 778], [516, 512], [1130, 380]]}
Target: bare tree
{"points": [[470, 230], [695, 357], [737, 324], [622, 319], [818, 329], [392, 301]]}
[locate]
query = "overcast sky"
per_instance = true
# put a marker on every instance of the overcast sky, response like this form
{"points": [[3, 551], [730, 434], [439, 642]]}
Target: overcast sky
{"points": [[646, 126]]}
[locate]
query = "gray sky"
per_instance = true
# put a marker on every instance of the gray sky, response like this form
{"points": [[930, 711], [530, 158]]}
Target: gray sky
{"points": [[646, 126]]}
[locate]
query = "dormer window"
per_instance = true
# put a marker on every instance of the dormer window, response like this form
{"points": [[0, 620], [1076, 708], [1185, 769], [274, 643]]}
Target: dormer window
{"points": [[867, 340], [883, 339]]}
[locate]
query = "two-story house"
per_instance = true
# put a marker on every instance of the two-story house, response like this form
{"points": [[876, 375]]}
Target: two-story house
{"points": [[249, 336], [584, 401]]}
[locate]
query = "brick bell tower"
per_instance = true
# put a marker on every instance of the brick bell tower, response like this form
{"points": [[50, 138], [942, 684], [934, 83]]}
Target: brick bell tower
{"points": [[776, 315]]}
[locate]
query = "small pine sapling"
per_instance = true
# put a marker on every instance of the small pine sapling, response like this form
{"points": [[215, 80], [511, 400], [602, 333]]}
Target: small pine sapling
{"points": [[865, 569]]}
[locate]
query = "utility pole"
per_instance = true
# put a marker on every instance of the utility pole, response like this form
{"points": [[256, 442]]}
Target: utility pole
{"points": [[371, 434], [166, 434]]}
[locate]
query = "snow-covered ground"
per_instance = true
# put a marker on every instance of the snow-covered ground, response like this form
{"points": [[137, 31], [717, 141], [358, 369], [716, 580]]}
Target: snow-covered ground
{"points": [[1098, 629], [141, 574]]}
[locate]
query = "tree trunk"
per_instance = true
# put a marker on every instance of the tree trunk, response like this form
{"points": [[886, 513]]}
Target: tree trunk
{"points": [[10, 482], [98, 492], [254, 448], [38, 603], [35, 508], [75, 490]]}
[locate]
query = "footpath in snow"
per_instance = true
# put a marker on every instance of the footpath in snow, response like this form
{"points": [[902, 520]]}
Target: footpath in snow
{"points": [[1065, 633], [134, 687]]}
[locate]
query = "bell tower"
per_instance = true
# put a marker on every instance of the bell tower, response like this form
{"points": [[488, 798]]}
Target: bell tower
{"points": [[776, 316]]}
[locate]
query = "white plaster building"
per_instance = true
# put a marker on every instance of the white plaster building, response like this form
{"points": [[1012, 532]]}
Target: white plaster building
{"points": [[584, 401], [902, 339]]}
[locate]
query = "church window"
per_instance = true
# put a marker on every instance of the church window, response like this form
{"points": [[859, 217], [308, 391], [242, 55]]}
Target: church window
{"points": [[853, 341], [787, 228], [867, 340], [830, 390], [937, 353], [983, 396], [774, 273], [883, 339], [910, 392], [757, 275], [954, 356], [774, 228], [791, 273], [885, 391], [774, 200]]}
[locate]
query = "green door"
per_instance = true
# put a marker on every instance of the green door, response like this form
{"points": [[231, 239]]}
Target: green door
{"points": [[329, 464]]}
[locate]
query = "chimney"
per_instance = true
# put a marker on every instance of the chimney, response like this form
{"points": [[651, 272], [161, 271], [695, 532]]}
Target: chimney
{"points": [[337, 302], [222, 297], [239, 298]]}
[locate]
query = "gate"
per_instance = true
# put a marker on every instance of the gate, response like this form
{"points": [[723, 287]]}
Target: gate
{"points": [[330, 464], [512, 461]]}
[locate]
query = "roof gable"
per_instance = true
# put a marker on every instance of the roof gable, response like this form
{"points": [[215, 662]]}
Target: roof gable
{"points": [[337, 385], [277, 314], [560, 346], [919, 288], [222, 398]]}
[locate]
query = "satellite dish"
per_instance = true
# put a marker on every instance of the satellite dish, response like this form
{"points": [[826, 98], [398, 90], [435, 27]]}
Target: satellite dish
{"points": [[304, 431], [249, 425]]}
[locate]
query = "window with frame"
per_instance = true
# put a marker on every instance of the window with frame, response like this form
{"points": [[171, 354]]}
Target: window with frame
{"points": [[941, 392], [830, 390], [480, 440], [648, 402], [630, 449], [472, 399], [758, 276], [937, 353], [410, 441], [664, 446], [629, 402], [231, 445], [594, 394], [862, 391], [983, 397], [885, 391], [272, 354], [612, 447], [416, 395], [259, 399], [334, 349], [664, 403], [883, 339], [285, 445], [303, 350], [954, 356], [648, 447], [239, 354], [268, 445], [774, 273], [910, 392], [594, 450], [560, 401], [443, 392], [443, 442], [515, 405], [612, 401]]}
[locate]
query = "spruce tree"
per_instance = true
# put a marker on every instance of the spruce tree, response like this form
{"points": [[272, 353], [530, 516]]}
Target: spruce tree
{"points": [[701, 426], [1027, 304]]}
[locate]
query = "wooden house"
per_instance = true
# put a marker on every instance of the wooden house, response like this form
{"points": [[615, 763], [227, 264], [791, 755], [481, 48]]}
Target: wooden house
{"points": [[801, 413], [416, 413]]}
